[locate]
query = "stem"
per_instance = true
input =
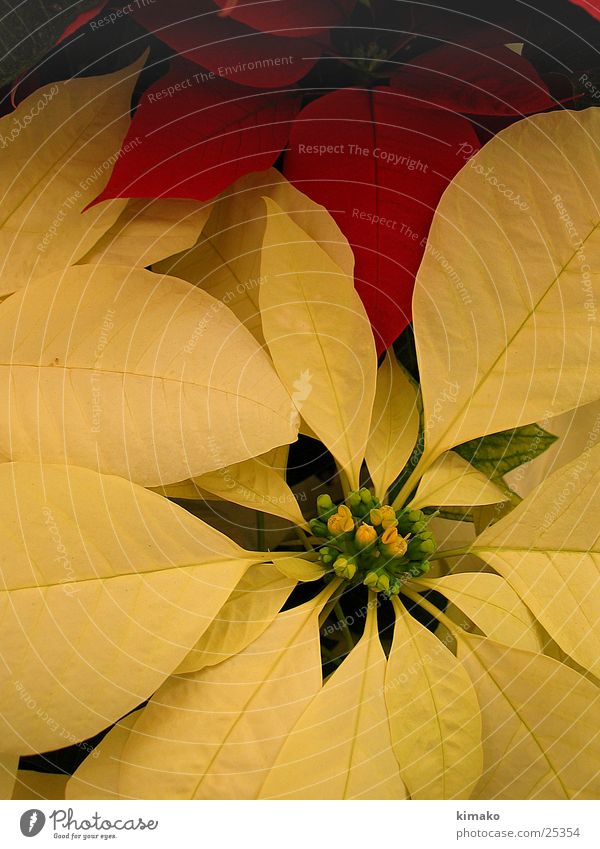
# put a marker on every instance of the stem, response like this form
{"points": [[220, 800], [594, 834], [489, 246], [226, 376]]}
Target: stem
{"points": [[303, 538], [344, 623], [337, 593], [260, 531]]}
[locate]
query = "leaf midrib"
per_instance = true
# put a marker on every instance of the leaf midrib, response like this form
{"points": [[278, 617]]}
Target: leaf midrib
{"points": [[529, 313], [166, 379], [498, 549], [518, 714], [166, 568], [255, 691]]}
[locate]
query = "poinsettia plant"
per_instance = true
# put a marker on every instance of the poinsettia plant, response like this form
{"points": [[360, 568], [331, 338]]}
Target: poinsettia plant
{"points": [[421, 632], [352, 101]]}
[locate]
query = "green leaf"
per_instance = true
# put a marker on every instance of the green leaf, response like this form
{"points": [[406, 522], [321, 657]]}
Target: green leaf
{"points": [[499, 453]]}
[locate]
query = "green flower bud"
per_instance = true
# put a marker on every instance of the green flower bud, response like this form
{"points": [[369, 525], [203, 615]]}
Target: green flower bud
{"points": [[344, 568], [415, 516], [358, 506], [404, 526], [376, 516], [365, 496], [325, 506], [414, 549], [370, 580], [319, 528], [394, 587], [379, 582], [327, 555], [418, 569], [427, 546], [353, 499]]}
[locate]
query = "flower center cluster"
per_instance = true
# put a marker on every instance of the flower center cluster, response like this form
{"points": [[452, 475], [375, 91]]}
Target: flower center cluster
{"points": [[370, 543]]}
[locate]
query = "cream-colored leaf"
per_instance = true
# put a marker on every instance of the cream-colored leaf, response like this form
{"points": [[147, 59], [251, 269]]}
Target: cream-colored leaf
{"points": [[299, 569], [305, 430], [57, 158], [277, 459], [256, 485], [450, 535], [506, 297], [341, 747], [540, 724], [226, 260], [452, 481], [553, 650], [493, 606], [134, 374], [320, 339], [105, 588], [575, 430], [394, 424], [8, 770], [149, 230], [249, 610], [434, 715], [98, 776], [39, 785], [186, 490], [215, 734], [191, 489], [548, 549]]}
